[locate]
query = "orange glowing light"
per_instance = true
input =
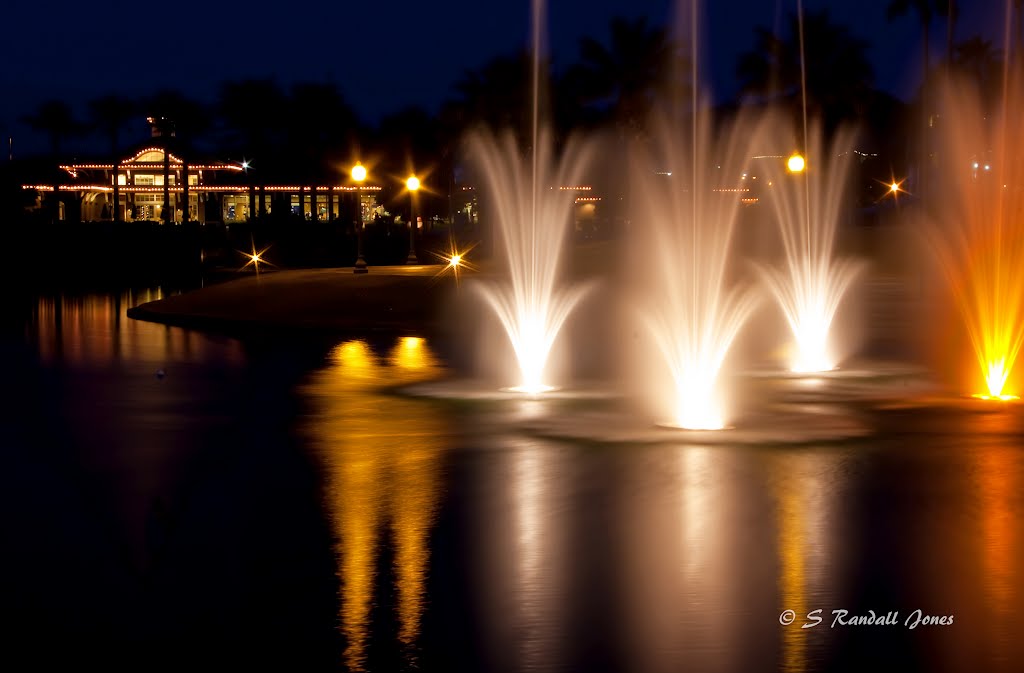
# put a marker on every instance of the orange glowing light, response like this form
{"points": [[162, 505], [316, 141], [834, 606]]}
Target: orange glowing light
{"points": [[454, 260], [978, 237], [796, 163], [255, 258]]}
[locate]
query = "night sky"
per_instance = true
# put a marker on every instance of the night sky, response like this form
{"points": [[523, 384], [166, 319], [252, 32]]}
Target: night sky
{"points": [[383, 55]]}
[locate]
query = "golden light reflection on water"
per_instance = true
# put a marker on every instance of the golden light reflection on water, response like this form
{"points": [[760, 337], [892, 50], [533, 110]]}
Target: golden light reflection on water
{"points": [[996, 485], [382, 455], [94, 330], [804, 486], [792, 575]]}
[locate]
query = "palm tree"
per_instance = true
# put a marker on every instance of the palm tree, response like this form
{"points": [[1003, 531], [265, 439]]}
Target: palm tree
{"points": [[1018, 6], [253, 113], [625, 77], [952, 14], [980, 62], [838, 75], [108, 115], [320, 123], [55, 119], [178, 115], [498, 95], [926, 11]]}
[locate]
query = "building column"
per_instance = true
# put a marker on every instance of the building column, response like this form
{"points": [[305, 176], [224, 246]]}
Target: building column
{"points": [[168, 215], [117, 197], [302, 215], [330, 204], [313, 216], [184, 193], [252, 202], [263, 201]]}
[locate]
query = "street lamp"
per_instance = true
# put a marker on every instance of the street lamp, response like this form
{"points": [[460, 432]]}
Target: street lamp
{"points": [[359, 175], [796, 163], [412, 184]]}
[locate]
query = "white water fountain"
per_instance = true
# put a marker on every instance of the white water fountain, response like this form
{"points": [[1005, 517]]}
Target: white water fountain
{"points": [[686, 203], [811, 282], [531, 217]]}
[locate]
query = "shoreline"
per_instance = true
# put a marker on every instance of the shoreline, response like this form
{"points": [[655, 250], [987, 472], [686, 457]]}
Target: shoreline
{"points": [[408, 300]]}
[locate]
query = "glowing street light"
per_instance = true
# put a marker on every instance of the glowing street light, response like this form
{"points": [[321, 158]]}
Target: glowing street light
{"points": [[359, 175], [412, 183], [796, 163]]}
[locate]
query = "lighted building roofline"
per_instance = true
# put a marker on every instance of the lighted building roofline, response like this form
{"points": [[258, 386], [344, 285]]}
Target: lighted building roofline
{"points": [[155, 165], [170, 155], [157, 189]]}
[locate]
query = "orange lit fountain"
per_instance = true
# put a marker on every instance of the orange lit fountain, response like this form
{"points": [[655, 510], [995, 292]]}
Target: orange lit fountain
{"points": [[980, 234]]}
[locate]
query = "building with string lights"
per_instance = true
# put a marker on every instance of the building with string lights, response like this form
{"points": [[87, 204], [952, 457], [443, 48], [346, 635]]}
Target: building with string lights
{"points": [[158, 183]]}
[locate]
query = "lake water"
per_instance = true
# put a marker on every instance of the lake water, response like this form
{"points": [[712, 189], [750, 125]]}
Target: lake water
{"points": [[173, 500]]}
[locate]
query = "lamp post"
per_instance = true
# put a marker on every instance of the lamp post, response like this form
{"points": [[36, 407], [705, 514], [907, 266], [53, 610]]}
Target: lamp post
{"points": [[359, 175], [412, 184]]}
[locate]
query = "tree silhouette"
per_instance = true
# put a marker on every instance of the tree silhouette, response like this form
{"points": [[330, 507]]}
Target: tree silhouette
{"points": [[839, 76], [108, 115], [56, 120], [980, 62], [320, 123], [176, 114], [253, 113], [625, 77], [498, 95], [926, 11]]}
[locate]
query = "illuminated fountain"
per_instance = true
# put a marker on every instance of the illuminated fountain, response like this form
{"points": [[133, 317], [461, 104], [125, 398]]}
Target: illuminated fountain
{"points": [[807, 197], [686, 209], [531, 216], [979, 237]]}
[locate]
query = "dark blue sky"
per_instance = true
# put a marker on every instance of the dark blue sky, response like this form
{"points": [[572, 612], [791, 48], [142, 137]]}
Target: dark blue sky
{"points": [[383, 54]]}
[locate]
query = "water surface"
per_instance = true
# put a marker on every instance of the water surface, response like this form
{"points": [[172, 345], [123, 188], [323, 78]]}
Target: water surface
{"points": [[171, 497]]}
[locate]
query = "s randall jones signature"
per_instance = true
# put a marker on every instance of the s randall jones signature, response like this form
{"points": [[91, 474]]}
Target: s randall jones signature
{"points": [[841, 618]]}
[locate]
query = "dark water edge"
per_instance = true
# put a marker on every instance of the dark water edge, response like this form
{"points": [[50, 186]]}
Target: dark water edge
{"points": [[142, 512]]}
